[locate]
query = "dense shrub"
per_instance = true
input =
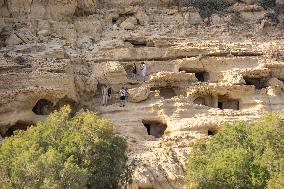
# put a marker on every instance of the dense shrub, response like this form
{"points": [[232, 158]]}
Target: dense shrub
{"points": [[241, 155], [64, 152]]}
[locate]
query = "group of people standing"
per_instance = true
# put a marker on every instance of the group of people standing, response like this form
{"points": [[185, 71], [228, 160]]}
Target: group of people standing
{"points": [[107, 92], [107, 96]]}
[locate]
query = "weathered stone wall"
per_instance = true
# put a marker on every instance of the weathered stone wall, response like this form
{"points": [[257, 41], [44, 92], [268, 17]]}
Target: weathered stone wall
{"points": [[199, 75]]}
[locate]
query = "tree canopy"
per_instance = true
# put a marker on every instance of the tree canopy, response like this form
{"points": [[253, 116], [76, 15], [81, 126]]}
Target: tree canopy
{"points": [[65, 152], [242, 155]]}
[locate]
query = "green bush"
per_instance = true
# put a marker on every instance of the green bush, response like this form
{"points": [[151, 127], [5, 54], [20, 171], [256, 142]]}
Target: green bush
{"points": [[64, 152], [241, 155]]}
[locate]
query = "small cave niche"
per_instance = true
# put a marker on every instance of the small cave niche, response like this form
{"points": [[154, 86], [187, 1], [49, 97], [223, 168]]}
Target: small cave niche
{"points": [[154, 128], [43, 107], [211, 132], [208, 100], [165, 92], [65, 101], [201, 75], [200, 101], [19, 125], [224, 102], [146, 188], [258, 82], [137, 43]]}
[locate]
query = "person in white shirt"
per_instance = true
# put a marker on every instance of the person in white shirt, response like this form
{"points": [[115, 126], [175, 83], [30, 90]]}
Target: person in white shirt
{"points": [[143, 70], [122, 96], [104, 95]]}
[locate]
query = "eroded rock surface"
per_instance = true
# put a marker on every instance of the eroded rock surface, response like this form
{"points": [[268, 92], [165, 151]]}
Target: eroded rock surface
{"points": [[199, 76]]}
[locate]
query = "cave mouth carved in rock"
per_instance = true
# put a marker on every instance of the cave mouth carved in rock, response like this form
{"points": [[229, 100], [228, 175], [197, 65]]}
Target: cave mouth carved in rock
{"points": [[155, 128]]}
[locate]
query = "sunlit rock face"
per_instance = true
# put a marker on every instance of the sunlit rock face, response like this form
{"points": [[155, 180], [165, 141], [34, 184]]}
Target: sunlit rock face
{"points": [[200, 72]]}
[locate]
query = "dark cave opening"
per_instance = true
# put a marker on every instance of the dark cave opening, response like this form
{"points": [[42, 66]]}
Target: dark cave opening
{"points": [[201, 75], [224, 102], [258, 82], [43, 107], [200, 101], [20, 125], [165, 92], [154, 128], [211, 132]]}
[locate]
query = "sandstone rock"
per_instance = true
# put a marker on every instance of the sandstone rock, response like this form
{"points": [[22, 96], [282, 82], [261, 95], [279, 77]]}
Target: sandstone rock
{"points": [[43, 32], [198, 76], [88, 6], [280, 2], [89, 26], [275, 82], [2, 2], [19, 8], [61, 9], [139, 94], [249, 2], [142, 18], [129, 23], [195, 18], [13, 39]]}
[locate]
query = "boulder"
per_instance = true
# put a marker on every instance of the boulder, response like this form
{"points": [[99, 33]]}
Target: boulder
{"points": [[61, 9], [18, 8], [2, 3], [142, 18], [249, 2], [12, 40], [129, 23], [195, 18], [139, 94], [87, 6]]}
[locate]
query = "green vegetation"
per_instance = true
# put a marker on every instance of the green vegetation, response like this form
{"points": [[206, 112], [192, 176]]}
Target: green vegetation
{"points": [[64, 152], [242, 155]]}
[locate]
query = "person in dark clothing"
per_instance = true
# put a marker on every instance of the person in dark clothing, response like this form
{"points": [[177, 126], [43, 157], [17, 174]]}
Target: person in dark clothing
{"points": [[134, 71], [109, 93]]}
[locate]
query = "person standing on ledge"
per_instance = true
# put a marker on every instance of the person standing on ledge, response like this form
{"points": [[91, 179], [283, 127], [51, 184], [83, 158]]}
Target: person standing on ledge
{"points": [[104, 95], [144, 70], [134, 71], [109, 93], [122, 96]]}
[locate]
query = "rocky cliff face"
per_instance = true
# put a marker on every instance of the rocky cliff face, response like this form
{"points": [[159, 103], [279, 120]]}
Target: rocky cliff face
{"points": [[200, 74]]}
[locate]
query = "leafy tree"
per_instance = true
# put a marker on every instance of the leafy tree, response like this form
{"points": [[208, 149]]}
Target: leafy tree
{"points": [[64, 152], [242, 155]]}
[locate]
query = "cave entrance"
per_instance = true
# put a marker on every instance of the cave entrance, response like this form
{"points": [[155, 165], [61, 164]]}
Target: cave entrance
{"points": [[20, 125], [211, 132], [200, 75], [154, 128], [140, 42], [165, 92], [258, 82], [146, 188], [224, 102], [200, 101], [208, 100], [43, 107], [136, 43]]}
